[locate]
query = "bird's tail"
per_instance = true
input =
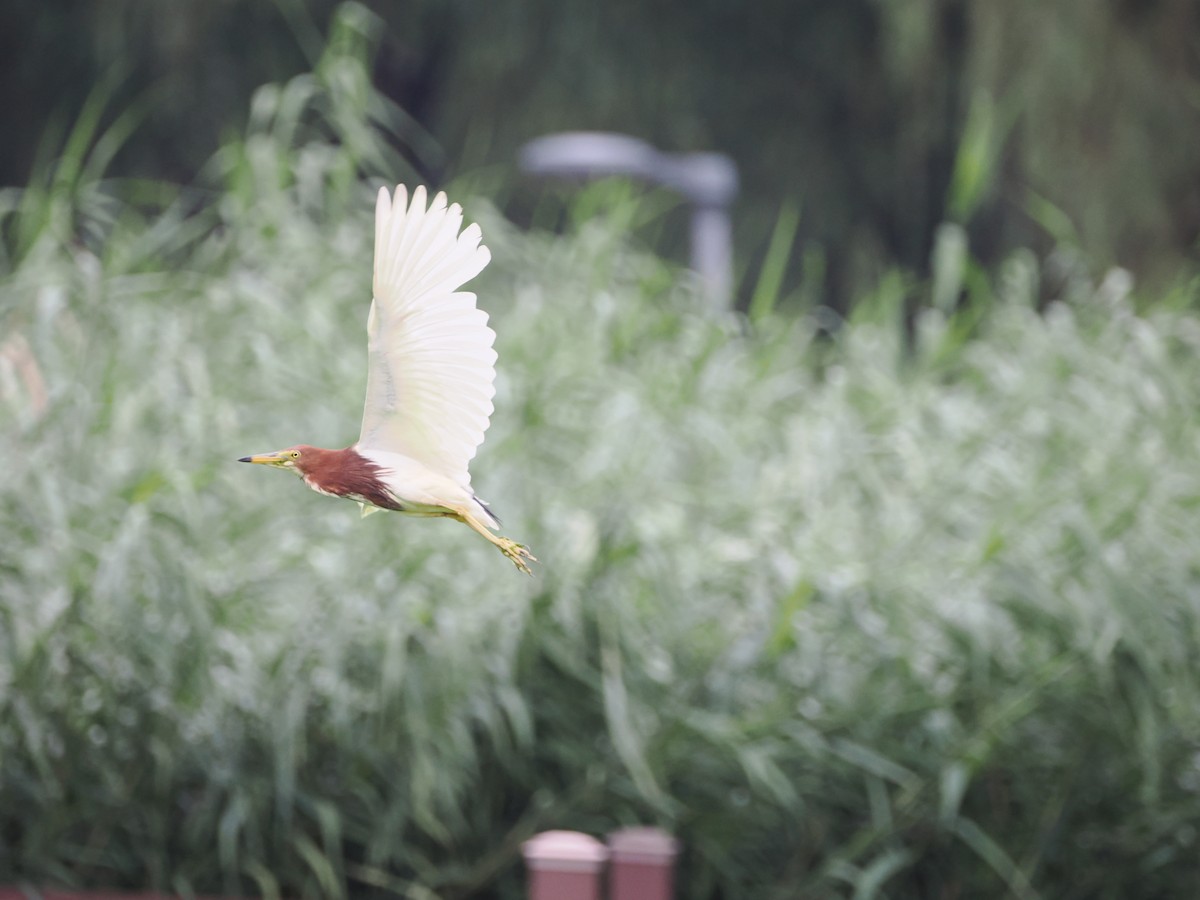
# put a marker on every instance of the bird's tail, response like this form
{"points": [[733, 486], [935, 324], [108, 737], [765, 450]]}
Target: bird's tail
{"points": [[489, 518]]}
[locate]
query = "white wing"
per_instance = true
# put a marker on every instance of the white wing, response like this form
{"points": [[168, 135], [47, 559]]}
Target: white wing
{"points": [[430, 359]]}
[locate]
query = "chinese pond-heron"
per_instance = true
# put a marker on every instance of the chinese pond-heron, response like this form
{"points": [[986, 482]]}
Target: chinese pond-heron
{"points": [[429, 380]]}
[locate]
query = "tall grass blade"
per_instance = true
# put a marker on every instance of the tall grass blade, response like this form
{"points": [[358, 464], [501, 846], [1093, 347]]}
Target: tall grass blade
{"points": [[779, 251]]}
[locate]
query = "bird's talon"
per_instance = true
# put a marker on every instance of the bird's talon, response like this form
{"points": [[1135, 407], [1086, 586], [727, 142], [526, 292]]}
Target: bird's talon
{"points": [[518, 553]]}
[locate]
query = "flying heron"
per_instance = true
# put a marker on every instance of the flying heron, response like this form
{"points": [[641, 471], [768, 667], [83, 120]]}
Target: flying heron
{"points": [[429, 377]]}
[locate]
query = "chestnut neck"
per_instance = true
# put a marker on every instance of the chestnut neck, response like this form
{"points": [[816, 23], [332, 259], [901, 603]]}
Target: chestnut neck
{"points": [[346, 473]]}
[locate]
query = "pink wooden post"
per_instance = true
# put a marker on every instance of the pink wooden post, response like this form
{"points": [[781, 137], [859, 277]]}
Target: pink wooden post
{"points": [[643, 864], [564, 865]]}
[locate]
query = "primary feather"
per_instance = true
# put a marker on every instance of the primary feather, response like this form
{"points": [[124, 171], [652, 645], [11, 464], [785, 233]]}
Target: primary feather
{"points": [[431, 365]]}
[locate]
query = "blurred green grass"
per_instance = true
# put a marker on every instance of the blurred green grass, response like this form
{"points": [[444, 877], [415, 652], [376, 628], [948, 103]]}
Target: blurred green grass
{"points": [[856, 613]]}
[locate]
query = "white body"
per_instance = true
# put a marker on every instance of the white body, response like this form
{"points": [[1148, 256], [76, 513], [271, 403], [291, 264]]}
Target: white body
{"points": [[431, 365], [419, 489]]}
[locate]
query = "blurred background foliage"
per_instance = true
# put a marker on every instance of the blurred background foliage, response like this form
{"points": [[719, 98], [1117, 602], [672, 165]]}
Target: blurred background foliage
{"points": [[906, 607], [1032, 123]]}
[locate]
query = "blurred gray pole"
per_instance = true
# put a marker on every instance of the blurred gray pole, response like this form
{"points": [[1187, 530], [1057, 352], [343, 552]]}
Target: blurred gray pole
{"points": [[643, 864], [564, 865], [708, 180]]}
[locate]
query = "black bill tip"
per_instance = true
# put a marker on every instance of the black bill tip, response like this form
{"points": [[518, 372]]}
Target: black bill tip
{"points": [[245, 459]]}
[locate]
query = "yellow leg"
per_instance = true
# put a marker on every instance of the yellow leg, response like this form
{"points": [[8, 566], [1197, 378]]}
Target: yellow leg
{"points": [[518, 553]]}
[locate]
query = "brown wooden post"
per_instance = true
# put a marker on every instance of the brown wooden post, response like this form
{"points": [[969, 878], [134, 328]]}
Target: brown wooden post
{"points": [[564, 865], [643, 864]]}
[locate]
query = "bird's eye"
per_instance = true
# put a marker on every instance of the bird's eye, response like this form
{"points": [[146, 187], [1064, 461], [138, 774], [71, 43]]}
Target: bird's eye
{"points": [[295, 454]]}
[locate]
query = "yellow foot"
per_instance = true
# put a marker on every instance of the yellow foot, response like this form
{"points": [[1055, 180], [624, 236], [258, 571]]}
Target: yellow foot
{"points": [[518, 553]]}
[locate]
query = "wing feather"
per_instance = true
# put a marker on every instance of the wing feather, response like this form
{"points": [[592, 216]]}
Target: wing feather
{"points": [[431, 365]]}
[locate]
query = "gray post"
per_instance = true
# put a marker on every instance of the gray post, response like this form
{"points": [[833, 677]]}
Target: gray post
{"points": [[564, 865], [708, 180]]}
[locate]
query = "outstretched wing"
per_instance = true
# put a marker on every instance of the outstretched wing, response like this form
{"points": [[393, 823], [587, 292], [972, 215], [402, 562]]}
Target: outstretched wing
{"points": [[431, 365]]}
